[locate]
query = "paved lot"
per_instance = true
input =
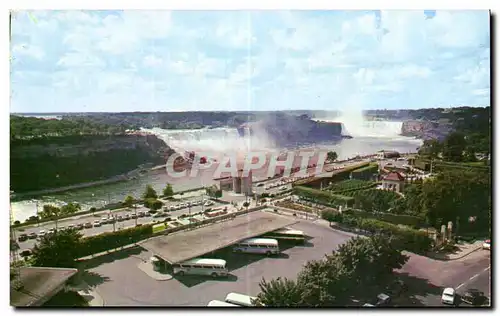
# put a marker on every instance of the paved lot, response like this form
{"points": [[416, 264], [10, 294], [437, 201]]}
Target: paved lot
{"points": [[471, 271], [135, 288]]}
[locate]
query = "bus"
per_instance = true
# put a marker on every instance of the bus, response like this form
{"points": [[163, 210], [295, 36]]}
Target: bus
{"points": [[216, 303], [258, 245], [287, 234], [201, 266], [240, 299]]}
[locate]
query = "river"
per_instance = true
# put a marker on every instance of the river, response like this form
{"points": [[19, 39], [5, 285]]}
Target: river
{"points": [[223, 140]]}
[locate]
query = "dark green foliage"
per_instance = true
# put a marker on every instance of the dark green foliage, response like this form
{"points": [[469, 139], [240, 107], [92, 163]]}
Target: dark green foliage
{"points": [[149, 193], [153, 203], [331, 156], [110, 240], [406, 238], [408, 220], [279, 293], [350, 185], [168, 191], [365, 173], [373, 199], [46, 171], [322, 196], [459, 194], [129, 201], [60, 249]]}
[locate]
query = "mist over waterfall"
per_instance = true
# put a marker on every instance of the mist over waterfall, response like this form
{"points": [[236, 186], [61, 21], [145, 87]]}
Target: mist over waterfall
{"points": [[216, 139], [354, 124]]}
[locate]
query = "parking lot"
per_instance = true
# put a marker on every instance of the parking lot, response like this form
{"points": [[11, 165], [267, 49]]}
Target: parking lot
{"points": [[125, 219], [121, 283]]}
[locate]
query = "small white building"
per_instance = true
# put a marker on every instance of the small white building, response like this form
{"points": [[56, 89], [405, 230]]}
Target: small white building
{"points": [[394, 181]]}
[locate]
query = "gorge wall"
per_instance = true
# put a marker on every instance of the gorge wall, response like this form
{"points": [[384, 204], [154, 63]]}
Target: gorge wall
{"points": [[44, 163]]}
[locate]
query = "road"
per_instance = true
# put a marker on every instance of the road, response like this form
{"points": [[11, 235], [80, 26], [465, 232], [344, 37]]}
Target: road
{"points": [[29, 244], [470, 272], [135, 288]]}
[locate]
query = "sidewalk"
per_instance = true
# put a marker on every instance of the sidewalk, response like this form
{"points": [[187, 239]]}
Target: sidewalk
{"points": [[462, 250]]}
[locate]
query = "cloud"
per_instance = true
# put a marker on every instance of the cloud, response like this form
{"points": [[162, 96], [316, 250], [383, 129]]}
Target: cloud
{"points": [[239, 60]]}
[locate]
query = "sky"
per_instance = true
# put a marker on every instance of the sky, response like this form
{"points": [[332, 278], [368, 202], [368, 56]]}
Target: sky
{"points": [[110, 61]]}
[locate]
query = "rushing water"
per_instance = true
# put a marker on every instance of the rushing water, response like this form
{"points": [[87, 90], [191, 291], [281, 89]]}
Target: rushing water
{"points": [[368, 137]]}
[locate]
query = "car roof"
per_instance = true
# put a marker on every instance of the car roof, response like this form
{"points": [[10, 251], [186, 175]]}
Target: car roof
{"points": [[449, 290]]}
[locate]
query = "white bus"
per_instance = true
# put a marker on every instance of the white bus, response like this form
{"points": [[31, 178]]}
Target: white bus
{"points": [[240, 299], [216, 303], [258, 245], [287, 234], [202, 266]]}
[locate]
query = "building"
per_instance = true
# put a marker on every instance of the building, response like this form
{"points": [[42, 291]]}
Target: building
{"points": [[239, 184], [384, 154], [36, 285], [394, 181]]}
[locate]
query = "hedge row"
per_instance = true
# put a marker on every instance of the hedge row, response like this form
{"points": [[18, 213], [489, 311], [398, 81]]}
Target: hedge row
{"points": [[322, 196], [111, 240], [339, 175], [409, 239], [408, 220], [365, 173], [351, 185]]}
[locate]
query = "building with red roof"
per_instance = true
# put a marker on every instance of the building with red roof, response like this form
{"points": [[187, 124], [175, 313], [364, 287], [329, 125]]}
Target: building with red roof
{"points": [[393, 181]]}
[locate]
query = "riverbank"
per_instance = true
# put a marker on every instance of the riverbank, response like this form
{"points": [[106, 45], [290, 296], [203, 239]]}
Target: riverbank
{"points": [[21, 196]]}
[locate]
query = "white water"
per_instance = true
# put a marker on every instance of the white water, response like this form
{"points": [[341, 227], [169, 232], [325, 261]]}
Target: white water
{"points": [[216, 139]]}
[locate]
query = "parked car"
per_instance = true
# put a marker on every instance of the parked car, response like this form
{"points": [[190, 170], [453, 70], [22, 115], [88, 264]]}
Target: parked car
{"points": [[104, 220], [32, 235], [140, 214], [22, 237], [119, 218], [383, 300], [79, 226], [133, 216], [42, 233], [25, 253], [487, 244], [473, 297], [126, 216], [71, 226], [97, 223], [448, 296]]}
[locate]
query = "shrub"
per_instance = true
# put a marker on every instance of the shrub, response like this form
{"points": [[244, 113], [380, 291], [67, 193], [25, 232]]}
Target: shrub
{"points": [[350, 185], [407, 238], [153, 204], [409, 220], [322, 196]]}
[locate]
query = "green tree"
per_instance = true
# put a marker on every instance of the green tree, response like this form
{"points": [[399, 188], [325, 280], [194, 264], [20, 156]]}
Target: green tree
{"points": [[153, 204], [92, 210], [458, 193], [71, 208], [454, 147], [168, 191], [331, 156], [279, 293], [58, 250], [129, 201], [51, 212], [329, 215], [377, 254], [150, 193]]}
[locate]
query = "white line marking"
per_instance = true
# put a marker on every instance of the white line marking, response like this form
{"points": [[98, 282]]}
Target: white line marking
{"points": [[471, 278]]}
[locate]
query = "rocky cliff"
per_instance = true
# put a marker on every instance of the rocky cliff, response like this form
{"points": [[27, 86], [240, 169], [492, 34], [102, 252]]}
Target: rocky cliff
{"points": [[426, 129], [50, 162]]}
